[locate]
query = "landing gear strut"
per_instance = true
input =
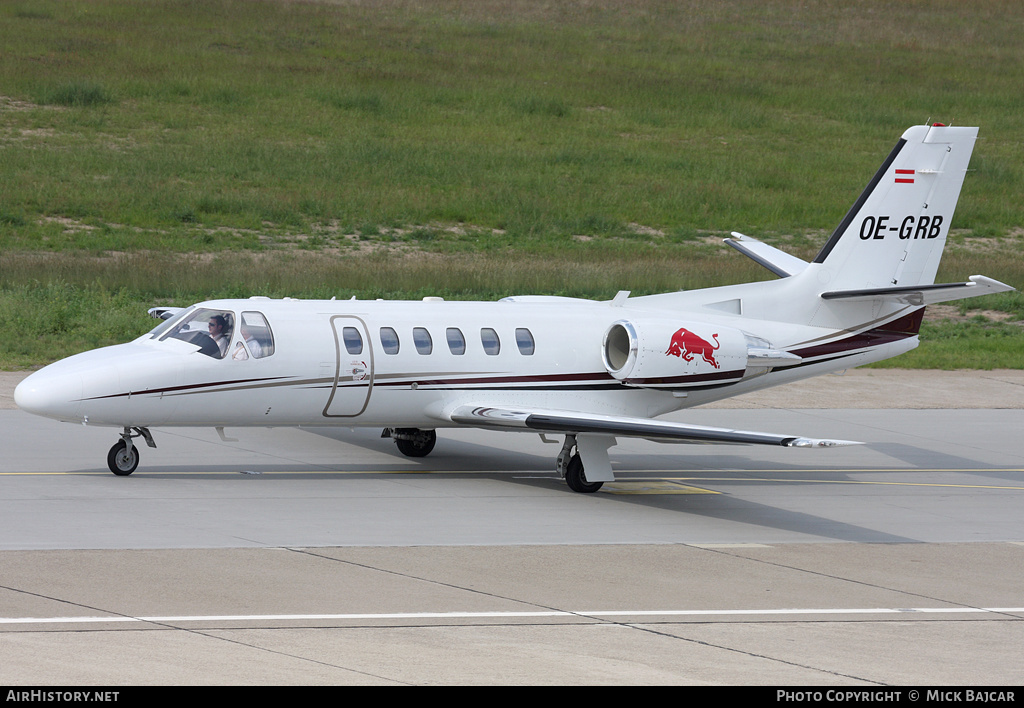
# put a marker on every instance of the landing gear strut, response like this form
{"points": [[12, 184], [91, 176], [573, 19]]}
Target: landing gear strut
{"points": [[123, 457], [412, 442], [570, 468]]}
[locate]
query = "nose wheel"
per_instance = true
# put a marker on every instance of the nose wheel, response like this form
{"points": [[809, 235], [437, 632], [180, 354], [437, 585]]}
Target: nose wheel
{"points": [[123, 457], [122, 460]]}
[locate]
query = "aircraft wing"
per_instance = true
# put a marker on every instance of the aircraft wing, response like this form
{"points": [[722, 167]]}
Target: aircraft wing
{"points": [[548, 421]]}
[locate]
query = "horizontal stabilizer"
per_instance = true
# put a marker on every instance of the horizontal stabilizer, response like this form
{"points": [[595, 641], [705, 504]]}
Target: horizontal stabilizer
{"points": [[924, 294], [778, 262], [621, 426]]}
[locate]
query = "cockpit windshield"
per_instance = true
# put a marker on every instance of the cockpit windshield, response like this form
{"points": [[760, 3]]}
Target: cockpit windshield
{"points": [[168, 321], [210, 330]]}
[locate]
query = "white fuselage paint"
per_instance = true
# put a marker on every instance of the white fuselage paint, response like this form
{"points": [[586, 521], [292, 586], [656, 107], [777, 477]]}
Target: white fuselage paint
{"points": [[311, 379]]}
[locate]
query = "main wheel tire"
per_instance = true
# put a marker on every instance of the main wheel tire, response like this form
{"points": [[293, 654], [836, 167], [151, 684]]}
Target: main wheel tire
{"points": [[120, 461], [576, 478], [417, 448]]}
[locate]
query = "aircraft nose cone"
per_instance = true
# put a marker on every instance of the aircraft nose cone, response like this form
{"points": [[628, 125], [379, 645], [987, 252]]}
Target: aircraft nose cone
{"points": [[52, 395]]}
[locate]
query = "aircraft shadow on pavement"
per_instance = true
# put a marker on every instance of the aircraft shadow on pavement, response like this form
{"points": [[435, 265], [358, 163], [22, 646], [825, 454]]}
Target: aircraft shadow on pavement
{"points": [[449, 455], [723, 473]]}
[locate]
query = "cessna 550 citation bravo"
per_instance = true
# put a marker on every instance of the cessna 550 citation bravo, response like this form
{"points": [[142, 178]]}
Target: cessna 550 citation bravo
{"points": [[591, 371]]}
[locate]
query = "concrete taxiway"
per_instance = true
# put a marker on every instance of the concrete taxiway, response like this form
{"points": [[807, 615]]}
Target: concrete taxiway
{"points": [[324, 556]]}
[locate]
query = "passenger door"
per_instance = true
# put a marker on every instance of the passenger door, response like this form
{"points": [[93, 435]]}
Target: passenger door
{"points": [[353, 373]]}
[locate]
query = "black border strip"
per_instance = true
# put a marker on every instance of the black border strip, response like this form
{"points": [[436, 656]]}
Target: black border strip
{"points": [[900, 290], [855, 209], [571, 424]]}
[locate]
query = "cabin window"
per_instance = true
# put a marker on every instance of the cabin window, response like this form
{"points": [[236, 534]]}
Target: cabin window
{"points": [[524, 340], [255, 330], [353, 340], [456, 342], [389, 340], [489, 338], [421, 338]]}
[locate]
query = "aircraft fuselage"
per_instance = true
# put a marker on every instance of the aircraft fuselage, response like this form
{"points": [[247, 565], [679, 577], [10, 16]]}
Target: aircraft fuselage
{"points": [[399, 364]]}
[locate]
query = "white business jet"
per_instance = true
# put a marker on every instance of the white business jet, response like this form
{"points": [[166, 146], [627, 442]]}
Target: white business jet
{"points": [[591, 371]]}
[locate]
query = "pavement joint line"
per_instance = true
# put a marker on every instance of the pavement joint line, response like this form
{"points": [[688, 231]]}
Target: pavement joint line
{"points": [[518, 615]]}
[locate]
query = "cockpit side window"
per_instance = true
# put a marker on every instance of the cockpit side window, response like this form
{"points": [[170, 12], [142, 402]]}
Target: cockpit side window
{"points": [[256, 332], [210, 330]]}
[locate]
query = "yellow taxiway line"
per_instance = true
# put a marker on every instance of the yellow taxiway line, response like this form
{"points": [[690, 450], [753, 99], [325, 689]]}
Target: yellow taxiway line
{"points": [[660, 481]]}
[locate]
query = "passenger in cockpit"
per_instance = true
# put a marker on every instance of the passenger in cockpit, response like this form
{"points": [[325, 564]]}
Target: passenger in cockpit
{"points": [[241, 353], [251, 341]]}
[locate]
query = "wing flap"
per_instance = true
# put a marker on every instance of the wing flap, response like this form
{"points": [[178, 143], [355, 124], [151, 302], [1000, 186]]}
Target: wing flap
{"points": [[545, 421]]}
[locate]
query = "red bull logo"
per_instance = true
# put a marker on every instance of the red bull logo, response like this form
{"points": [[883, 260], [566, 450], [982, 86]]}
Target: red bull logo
{"points": [[686, 344]]}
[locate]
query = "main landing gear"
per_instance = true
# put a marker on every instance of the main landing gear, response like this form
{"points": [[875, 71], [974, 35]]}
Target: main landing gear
{"points": [[569, 466], [412, 442], [123, 457]]}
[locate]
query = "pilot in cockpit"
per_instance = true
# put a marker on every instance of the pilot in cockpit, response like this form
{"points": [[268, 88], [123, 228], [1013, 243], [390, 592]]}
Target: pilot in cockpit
{"points": [[220, 333], [214, 342]]}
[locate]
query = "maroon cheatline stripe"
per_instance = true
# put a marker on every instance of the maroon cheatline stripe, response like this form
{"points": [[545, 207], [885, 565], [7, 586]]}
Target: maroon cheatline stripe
{"points": [[537, 378], [187, 387], [692, 378], [894, 331]]}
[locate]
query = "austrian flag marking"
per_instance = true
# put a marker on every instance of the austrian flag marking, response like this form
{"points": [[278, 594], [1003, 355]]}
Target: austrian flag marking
{"points": [[904, 176]]}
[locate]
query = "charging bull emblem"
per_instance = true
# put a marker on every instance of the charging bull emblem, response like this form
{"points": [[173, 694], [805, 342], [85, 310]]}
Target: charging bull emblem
{"points": [[685, 344]]}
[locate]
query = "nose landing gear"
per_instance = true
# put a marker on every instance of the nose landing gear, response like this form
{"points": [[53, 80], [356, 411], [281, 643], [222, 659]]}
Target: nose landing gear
{"points": [[123, 457]]}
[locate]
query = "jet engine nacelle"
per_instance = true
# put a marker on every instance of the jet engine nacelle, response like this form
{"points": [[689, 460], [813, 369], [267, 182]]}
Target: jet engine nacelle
{"points": [[669, 353]]}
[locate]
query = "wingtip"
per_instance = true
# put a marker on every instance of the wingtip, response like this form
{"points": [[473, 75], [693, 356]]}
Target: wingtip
{"points": [[991, 284], [813, 442]]}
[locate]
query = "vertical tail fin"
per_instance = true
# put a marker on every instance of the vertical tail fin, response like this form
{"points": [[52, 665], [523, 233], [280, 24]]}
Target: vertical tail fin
{"points": [[895, 232]]}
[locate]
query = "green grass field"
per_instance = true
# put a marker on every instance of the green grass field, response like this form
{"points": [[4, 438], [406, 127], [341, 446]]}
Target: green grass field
{"points": [[174, 150]]}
